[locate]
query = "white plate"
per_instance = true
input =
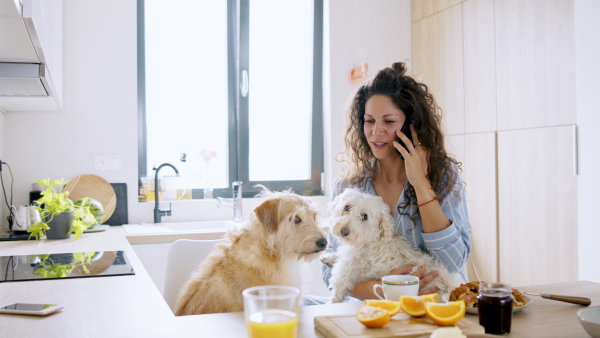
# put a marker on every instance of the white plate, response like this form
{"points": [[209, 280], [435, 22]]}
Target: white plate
{"points": [[473, 310], [97, 228]]}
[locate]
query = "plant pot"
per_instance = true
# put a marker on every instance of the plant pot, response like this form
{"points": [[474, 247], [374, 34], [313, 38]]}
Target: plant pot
{"points": [[61, 258], [61, 225]]}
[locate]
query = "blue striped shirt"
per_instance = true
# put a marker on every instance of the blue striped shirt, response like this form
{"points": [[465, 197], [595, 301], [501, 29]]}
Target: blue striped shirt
{"points": [[451, 246]]}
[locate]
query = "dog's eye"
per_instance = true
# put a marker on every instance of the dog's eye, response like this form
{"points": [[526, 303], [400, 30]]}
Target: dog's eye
{"points": [[297, 220], [364, 217], [347, 208]]}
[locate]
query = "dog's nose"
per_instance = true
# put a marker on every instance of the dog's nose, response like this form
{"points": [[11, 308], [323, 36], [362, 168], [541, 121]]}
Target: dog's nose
{"points": [[345, 232], [322, 243]]}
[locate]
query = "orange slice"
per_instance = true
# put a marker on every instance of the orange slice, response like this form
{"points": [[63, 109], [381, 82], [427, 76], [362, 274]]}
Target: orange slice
{"points": [[445, 314], [371, 316], [392, 307], [415, 306]]}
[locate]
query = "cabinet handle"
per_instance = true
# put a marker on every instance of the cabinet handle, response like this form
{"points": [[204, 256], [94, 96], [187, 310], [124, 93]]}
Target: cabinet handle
{"points": [[575, 151], [244, 85]]}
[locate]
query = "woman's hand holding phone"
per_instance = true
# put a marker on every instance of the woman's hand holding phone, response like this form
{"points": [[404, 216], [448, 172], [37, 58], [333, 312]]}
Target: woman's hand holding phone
{"points": [[415, 158]]}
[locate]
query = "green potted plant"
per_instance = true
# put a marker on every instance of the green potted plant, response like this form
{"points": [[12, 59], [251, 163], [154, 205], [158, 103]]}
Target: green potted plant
{"points": [[60, 216]]}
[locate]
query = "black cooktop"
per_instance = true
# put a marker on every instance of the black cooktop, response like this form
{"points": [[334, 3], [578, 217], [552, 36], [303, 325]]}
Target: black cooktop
{"points": [[64, 265]]}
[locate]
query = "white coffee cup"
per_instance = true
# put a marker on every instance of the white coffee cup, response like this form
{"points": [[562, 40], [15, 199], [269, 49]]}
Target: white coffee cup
{"points": [[395, 286]]}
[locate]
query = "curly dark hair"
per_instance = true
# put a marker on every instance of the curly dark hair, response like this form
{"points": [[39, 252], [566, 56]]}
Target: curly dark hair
{"points": [[419, 106]]}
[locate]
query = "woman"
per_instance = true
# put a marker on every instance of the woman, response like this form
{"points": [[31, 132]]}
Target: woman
{"points": [[420, 182]]}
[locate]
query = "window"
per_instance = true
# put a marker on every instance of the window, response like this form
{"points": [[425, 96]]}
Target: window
{"points": [[231, 91]]}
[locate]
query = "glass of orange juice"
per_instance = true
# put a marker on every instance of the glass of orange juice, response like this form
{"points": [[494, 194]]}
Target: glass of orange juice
{"points": [[271, 311]]}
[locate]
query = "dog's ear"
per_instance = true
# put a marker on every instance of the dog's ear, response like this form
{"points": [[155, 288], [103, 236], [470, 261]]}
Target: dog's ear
{"points": [[268, 214], [386, 222], [386, 231]]}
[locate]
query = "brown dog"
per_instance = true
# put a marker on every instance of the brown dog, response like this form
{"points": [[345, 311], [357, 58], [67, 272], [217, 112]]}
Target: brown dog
{"points": [[282, 230]]}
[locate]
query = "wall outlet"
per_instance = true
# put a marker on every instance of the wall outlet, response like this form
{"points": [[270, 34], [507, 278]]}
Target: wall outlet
{"points": [[107, 163]]}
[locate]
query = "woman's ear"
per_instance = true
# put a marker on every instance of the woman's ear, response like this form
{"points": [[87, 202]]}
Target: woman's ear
{"points": [[267, 214]]}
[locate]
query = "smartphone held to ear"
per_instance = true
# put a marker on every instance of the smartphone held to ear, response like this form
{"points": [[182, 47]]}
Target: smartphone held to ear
{"points": [[406, 130], [30, 309]]}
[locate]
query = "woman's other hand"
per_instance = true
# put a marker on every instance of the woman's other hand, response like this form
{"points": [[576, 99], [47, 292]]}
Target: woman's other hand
{"points": [[424, 278]]}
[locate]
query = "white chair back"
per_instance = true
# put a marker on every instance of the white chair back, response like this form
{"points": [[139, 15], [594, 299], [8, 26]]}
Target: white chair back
{"points": [[183, 258]]}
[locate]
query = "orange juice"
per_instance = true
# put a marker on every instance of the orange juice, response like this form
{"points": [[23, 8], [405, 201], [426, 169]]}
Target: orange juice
{"points": [[272, 324]]}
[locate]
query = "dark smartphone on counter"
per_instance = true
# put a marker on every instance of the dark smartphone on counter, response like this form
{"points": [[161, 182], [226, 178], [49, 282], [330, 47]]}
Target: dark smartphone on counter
{"points": [[406, 130]]}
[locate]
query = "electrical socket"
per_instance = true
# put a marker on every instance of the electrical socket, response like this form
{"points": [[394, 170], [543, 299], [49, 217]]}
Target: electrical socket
{"points": [[107, 163]]}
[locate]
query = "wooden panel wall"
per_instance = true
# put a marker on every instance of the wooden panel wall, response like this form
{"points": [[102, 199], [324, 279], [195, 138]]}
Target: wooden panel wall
{"points": [[480, 168], [538, 205], [425, 8], [437, 39], [535, 60], [480, 66], [517, 80]]}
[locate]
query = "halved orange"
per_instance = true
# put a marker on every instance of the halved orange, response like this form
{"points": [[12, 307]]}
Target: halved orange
{"points": [[446, 313], [415, 305], [371, 316], [392, 307]]}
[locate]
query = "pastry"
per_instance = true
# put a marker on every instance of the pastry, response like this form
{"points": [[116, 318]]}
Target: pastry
{"points": [[469, 292]]}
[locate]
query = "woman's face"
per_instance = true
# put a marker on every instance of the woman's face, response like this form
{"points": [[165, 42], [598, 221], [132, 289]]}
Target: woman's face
{"points": [[382, 120]]}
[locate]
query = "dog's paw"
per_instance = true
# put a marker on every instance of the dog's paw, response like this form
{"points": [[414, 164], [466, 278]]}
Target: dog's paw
{"points": [[337, 297], [328, 259]]}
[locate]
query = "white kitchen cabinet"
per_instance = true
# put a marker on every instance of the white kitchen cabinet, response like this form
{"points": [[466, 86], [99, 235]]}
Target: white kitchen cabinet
{"points": [[154, 259], [31, 33], [512, 64], [538, 205], [480, 177], [438, 62], [425, 8], [479, 50], [535, 63]]}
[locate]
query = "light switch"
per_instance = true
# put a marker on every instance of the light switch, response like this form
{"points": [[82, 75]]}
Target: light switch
{"points": [[107, 163]]}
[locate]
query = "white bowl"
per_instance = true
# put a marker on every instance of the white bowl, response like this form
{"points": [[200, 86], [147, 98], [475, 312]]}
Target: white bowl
{"points": [[590, 320]]}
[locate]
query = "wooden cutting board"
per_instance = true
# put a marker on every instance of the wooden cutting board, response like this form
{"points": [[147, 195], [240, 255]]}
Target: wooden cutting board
{"points": [[401, 325], [95, 187]]}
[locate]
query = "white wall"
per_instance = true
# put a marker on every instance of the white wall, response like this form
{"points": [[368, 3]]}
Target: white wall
{"points": [[587, 54], [99, 115], [383, 28], [100, 97]]}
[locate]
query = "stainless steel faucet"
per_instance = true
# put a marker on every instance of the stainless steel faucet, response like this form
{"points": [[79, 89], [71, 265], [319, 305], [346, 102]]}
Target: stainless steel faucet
{"points": [[158, 213], [236, 201]]}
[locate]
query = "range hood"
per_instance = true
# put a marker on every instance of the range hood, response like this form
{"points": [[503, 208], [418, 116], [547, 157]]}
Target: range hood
{"points": [[23, 79], [30, 50]]}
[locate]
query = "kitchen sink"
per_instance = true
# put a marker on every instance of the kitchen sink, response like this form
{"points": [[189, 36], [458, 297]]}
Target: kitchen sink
{"points": [[180, 227]]}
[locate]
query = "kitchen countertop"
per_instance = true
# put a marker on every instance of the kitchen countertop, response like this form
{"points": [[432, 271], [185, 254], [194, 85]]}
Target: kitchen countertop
{"points": [[132, 306], [94, 307]]}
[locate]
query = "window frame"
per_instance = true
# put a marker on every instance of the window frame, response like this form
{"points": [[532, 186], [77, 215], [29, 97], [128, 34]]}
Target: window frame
{"points": [[238, 107]]}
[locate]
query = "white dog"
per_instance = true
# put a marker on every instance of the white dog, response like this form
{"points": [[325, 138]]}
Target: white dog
{"points": [[371, 247]]}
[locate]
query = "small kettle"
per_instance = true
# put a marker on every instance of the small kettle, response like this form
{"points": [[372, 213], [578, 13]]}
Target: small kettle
{"points": [[26, 216]]}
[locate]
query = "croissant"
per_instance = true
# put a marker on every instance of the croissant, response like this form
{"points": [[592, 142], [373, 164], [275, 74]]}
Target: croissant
{"points": [[469, 291], [519, 299]]}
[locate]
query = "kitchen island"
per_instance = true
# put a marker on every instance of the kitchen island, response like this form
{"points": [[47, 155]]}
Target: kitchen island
{"points": [[132, 306]]}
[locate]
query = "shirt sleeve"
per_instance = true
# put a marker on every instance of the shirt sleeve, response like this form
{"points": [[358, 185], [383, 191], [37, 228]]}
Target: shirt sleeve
{"points": [[331, 247], [452, 246]]}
